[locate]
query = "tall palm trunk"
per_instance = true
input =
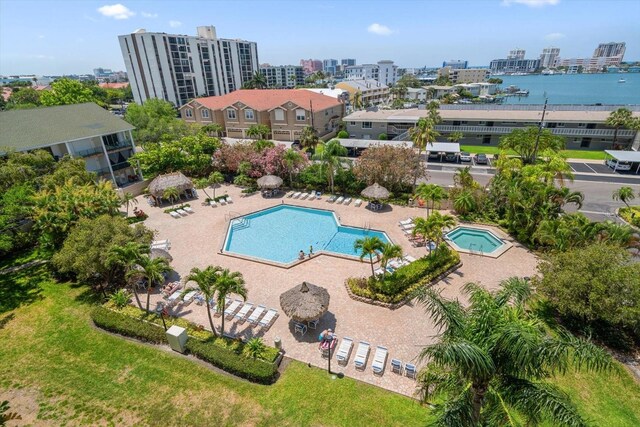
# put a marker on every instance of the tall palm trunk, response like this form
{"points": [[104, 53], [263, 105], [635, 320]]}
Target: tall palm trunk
{"points": [[148, 295], [373, 273], [213, 330], [223, 316], [479, 391], [135, 294]]}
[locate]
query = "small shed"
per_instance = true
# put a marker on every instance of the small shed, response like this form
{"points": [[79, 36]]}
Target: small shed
{"points": [[161, 183]]}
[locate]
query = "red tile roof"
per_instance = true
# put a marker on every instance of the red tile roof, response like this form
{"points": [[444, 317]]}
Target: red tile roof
{"points": [[267, 99], [114, 85]]}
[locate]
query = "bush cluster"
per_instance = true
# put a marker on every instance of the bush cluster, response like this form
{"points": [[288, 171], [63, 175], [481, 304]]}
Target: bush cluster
{"points": [[406, 280], [631, 215], [123, 324]]}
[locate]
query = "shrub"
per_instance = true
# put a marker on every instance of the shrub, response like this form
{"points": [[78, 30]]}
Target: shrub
{"points": [[343, 134], [136, 219], [120, 298], [252, 369], [383, 137], [125, 325], [631, 215], [254, 347]]}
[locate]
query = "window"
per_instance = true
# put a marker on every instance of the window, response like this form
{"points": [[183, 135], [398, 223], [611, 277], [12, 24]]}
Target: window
{"points": [[366, 125], [205, 114], [188, 113], [352, 123], [279, 114], [300, 115], [231, 114], [248, 114]]}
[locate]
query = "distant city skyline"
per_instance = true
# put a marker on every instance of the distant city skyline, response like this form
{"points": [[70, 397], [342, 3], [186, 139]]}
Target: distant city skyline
{"points": [[81, 36]]}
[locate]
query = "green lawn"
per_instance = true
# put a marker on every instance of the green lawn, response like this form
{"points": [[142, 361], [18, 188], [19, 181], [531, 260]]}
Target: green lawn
{"points": [[570, 154], [80, 375]]}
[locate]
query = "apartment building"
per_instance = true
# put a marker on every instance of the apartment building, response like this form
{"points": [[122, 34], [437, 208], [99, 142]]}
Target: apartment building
{"points": [[281, 76], [330, 66], [455, 64], [384, 72], [611, 49], [84, 131], [549, 56], [285, 111], [310, 66], [583, 126], [178, 68], [371, 92], [465, 75], [516, 53], [511, 66]]}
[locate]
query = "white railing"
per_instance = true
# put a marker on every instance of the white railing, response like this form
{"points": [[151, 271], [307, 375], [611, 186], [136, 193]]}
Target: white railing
{"points": [[622, 133], [537, 107]]}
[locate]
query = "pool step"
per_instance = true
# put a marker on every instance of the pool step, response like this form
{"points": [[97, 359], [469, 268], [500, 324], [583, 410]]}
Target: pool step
{"points": [[240, 224]]}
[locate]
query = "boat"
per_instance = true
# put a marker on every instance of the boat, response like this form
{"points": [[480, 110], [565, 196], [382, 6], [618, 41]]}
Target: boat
{"points": [[622, 81]]}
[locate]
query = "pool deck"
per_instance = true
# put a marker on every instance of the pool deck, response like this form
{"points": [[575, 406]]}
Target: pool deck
{"points": [[196, 241]]}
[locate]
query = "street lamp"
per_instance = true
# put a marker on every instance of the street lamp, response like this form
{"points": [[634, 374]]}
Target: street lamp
{"points": [[160, 312], [540, 126]]}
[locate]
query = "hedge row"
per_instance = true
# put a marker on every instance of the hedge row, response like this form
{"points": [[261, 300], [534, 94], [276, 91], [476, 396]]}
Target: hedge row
{"points": [[226, 359]]}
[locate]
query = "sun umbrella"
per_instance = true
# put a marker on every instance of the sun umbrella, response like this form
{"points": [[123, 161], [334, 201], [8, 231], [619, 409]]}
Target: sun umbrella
{"points": [[305, 302], [375, 191], [269, 181]]}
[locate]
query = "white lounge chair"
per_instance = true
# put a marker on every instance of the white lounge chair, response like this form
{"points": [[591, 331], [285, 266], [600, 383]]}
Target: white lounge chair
{"points": [[229, 199], [379, 360], [188, 298], [253, 319], [409, 258], [188, 209], [244, 311], [175, 214], [357, 203], [344, 351], [362, 354], [339, 200], [268, 318], [296, 194], [347, 201], [160, 242], [182, 212], [332, 199], [222, 202], [213, 203], [304, 196], [289, 194], [230, 311], [406, 221], [379, 271], [408, 226]]}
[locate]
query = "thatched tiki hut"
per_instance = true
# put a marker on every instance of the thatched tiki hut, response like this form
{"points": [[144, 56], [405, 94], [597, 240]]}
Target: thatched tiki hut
{"points": [[305, 302], [269, 181], [161, 183]]}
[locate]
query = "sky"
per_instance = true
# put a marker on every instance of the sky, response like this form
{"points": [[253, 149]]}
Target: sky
{"points": [[48, 37]]}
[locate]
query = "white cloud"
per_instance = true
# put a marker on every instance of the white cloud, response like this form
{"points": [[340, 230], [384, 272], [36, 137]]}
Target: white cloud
{"points": [[116, 11], [49, 57], [175, 24], [149, 15], [379, 29], [554, 36], [531, 3], [41, 36]]}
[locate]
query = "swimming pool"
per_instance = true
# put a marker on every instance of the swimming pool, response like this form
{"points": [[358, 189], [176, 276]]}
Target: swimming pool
{"points": [[476, 240], [278, 234]]}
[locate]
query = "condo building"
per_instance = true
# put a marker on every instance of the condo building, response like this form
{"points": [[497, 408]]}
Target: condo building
{"points": [[468, 75], [384, 72], [178, 68], [281, 76], [455, 64], [310, 66], [369, 91], [330, 66], [549, 57]]}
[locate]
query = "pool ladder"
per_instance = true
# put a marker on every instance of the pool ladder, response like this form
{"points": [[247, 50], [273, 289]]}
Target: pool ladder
{"points": [[479, 250], [240, 223]]}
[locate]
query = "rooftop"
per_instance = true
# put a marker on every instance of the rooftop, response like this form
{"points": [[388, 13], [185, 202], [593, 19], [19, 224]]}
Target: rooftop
{"points": [[41, 127], [267, 99], [363, 84]]}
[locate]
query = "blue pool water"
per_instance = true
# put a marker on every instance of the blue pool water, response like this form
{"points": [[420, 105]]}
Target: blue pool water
{"points": [[474, 239], [280, 233]]}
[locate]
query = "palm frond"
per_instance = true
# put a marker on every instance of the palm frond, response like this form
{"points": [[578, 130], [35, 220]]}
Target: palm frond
{"points": [[496, 411], [456, 412], [463, 356], [433, 380], [515, 290], [558, 351], [446, 314]]}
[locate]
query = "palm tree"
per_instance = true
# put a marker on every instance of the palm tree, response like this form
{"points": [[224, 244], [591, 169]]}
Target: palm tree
{"points": [[624, 194], [493, 357], [258, 81], [202, 184], [309, 138], [423, 134], [431, 193], [129, 199], [171, 194], [226, 283], [388, 252], [292, 158], [126, 257], [464, 202], [619, 118], [438, 222], [464, 179], [206, 280], [213, 128], [258, 131], [455, 136], [215, 178], [424, 229], [368, 246], [357, 100], [153, 269], [329, 154]]}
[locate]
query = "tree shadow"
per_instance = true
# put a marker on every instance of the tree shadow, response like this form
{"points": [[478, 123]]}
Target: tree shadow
{"points": [[6, 319], [22, 287]]}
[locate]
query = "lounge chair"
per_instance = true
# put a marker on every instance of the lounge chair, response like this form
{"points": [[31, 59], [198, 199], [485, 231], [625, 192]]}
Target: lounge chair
{"points": [[406, 221], [408, 226], [379, 360], [289, 194], [296, 194], [175, 214], [332, 199], [265, 322], [189, 297], [344, 351], [410, 370], [188, 209], [222, 202], [230, 311], [161, 242], [362, 354], [318, 195], [304, 196], [182, 212], [396, 366], [165, 246], [357, 203], [339, 200], [347, 201], [253, 319], [213, 203], [409, 258], [244, 311], [379, 271], [214, 304], [229, 199]]}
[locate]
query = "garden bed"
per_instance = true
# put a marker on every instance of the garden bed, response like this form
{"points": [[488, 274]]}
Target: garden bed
{"points": [[226, 354], [630, 215], [401, 286]]}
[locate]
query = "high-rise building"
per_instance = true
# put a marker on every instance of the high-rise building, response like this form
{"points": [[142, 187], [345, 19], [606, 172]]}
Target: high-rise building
{"points": [[310, 66], [280, 76], [330, 66], [347, 62], [455, 64], [510, 66], [516, 53], [607, 50], [102, 73], [549, 56], [384, 72], [464, 75], [177, 68]]}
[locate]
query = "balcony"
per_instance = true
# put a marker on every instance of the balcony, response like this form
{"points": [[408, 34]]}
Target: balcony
{"points": [[121, 165], [88, 153], [121, 145]]}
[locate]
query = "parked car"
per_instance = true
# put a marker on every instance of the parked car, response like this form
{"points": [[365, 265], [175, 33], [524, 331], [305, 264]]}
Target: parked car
{"points": [[621, 166], [481, 159], [451, 157], [465, 157], [433, 155]]}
